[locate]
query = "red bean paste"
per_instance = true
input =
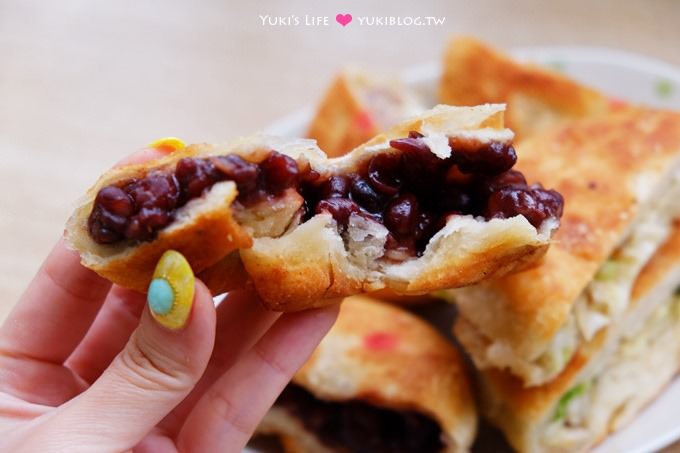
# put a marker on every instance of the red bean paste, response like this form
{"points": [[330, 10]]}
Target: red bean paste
{"points": [[408, 189], [362, 428]]}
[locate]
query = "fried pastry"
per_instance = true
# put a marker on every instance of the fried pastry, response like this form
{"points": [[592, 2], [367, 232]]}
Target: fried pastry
{"points": [[381, 380], [430, 204], [357, 106], [620, 178], [537, 97], [609, 380]]}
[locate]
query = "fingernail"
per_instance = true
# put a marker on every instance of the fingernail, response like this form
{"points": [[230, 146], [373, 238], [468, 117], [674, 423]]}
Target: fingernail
{"points": [[171, 292], [168, 144]]}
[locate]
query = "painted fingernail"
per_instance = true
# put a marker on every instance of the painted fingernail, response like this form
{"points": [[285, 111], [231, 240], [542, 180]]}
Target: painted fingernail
{"points": [[168, 144], [171, 291]]}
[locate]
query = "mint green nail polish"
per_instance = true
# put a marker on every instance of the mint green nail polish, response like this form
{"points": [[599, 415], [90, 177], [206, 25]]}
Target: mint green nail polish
{"points": [[160, 296]]}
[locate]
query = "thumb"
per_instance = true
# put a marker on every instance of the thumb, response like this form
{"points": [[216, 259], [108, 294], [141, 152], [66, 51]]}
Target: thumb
{"points": [[161, 363]]}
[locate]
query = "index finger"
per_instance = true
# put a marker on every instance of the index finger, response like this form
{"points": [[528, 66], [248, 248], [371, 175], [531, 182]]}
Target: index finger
{"points": [[229, 411], [55, 311], [59, 305]]}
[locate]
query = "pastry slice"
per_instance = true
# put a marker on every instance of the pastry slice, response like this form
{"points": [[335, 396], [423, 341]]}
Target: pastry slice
{"points": [[610, 379], [432, 203], [620, 178], [381, 380], [537, 98], [358, 106]]}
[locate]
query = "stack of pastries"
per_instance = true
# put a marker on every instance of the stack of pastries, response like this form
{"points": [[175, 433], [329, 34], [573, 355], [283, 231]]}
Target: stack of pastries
{"points": [[544, 211], [561, 352], [571, 350]]}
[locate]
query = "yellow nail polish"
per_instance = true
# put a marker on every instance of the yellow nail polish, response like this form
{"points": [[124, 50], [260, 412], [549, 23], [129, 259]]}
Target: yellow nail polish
{"points": [[171, 291], [168, 144]]}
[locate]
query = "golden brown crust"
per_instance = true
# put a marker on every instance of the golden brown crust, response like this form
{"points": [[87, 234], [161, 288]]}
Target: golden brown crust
{"points": [[341, 122], [309, 265], [228, 274], [517, 409], [664, 259], [607, 169], [291, 432], [357, 106], [385, 356], [523, 414], [299, 272], [387, 295], [205, 238], [295, 266], [500, 256], [312, 264], [533, 402], [536, 97], [205, 231]]}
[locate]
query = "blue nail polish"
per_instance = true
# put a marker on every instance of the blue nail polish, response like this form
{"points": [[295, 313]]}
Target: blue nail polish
{"points": [[160, 296]]}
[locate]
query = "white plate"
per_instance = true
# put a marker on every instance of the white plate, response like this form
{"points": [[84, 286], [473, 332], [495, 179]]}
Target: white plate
{"points": [[620, 74]]}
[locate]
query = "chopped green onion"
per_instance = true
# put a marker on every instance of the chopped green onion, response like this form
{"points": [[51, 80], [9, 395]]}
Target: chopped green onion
{"points": [[610, 270], [561, 409]]}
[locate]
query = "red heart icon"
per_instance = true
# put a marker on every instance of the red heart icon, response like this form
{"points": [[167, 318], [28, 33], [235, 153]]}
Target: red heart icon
{"points": [[343, 19]]}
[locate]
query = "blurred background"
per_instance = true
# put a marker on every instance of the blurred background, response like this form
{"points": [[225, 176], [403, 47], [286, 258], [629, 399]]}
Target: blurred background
{"points": [[85, 82]]}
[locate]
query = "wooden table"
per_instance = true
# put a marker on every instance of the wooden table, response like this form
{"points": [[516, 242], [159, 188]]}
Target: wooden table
{"points": [[83, 82]]}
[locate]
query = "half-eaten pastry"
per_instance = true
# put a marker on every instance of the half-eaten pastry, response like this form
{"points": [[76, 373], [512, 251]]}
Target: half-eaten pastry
{"points": [[431, 204], [382, 380], [357, 106]]}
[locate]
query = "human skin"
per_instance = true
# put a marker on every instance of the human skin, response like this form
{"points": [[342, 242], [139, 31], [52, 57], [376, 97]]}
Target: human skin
{"points": [[84, 366]]}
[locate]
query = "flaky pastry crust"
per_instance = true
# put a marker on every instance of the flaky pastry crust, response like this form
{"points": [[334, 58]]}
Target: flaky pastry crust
{"points": [[411, 368], [523, 413], [357, 106], [608, 170], [296, 265], [537, 97]]}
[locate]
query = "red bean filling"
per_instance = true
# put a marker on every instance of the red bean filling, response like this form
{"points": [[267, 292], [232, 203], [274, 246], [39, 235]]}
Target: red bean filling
{"points": [[411, 191], [359, 427]]}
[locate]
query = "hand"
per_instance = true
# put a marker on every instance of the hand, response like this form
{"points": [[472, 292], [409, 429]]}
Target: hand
{"points": [[84, 366]]}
